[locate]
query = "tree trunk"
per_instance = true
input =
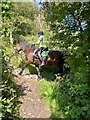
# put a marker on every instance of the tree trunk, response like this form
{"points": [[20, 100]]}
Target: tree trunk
{"points": [[11, 38]]}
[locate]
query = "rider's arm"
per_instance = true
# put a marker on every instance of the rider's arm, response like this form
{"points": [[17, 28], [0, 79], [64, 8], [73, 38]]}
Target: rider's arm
{"points": [[39, 40]]}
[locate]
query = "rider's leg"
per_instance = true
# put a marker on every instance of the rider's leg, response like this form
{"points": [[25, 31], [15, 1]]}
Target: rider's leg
{"points": [[41, 59], [36, 53]]}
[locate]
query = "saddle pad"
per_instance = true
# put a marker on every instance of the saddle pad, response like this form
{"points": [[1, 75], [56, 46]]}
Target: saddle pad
{"points": [[45, 53]]}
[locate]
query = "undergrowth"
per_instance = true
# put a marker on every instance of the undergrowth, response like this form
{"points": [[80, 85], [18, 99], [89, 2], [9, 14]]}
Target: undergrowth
{"points": [[48, 90], [9, 106], [67, 98]]}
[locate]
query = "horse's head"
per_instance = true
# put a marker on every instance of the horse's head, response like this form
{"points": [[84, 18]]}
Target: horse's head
{"points": [[15, 51]]}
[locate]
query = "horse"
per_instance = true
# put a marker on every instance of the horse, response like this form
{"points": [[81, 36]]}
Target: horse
{"points": [[54, 58]]}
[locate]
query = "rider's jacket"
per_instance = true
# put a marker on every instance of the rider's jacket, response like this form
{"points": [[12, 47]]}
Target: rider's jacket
{"points": [[42, 41]]}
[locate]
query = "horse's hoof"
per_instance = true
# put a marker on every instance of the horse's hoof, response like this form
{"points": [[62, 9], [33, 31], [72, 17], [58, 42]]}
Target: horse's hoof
{"points": [[39, 78], [20, 73]]}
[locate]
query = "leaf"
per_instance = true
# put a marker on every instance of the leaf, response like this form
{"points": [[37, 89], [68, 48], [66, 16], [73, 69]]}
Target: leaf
{"points": [[9, 110], [1, 115], [1, 105]]}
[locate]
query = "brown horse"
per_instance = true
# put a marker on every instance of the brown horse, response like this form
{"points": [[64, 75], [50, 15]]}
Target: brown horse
{"points": [[54, 58]]}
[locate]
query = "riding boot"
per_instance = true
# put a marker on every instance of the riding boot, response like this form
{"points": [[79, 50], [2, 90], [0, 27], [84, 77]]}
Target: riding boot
{"points": [[43, 63]]}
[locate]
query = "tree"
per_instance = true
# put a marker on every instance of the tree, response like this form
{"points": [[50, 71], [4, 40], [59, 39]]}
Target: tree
{"points": [[18, 20], [70, 24], [8, 89]]}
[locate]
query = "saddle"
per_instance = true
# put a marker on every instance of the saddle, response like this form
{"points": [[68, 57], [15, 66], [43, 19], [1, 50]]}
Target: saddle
{"points": [[42, 51]]}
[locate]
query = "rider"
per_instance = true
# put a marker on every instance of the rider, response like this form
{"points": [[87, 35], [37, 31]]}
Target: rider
{"points": [[43, 45]]}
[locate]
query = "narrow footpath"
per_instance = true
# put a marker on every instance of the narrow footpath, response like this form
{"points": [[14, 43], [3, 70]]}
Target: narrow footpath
{"points": [[32, 106]]}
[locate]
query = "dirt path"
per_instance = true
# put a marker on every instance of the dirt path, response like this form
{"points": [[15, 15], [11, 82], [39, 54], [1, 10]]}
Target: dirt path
{"points": [[32, 105]]}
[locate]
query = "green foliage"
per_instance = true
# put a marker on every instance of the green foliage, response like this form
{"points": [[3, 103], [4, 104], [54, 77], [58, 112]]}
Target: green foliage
{"points": [[71, 93], [72, 99], [24, 20], [18, 20], [7, 20], [9, 99], [47, 89], [64, 31], [51, 94]]}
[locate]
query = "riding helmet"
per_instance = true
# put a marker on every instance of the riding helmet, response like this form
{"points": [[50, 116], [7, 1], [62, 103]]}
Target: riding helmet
{"points": [[40, 33]]}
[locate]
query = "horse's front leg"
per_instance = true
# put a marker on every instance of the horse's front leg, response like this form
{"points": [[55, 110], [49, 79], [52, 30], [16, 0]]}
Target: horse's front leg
{"points": [[39, 74], [23, 67]]}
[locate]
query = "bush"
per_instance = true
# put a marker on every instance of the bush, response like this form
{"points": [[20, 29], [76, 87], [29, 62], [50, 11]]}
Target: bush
{"points": [[9, 99]]}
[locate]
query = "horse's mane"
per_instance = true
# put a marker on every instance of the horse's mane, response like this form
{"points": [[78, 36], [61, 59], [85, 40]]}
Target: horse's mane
{"points": [[24, 44]]}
